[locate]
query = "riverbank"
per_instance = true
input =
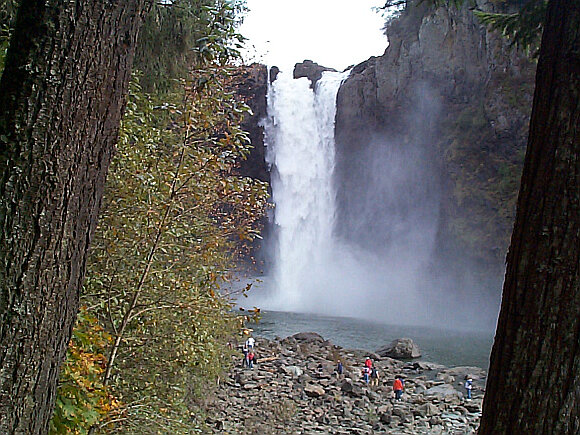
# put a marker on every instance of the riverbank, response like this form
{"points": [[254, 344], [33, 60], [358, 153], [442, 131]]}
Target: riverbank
{"points": [[294, 389]]}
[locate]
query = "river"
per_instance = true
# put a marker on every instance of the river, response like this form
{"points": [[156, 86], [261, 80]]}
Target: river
{"points": [[448, 347]]}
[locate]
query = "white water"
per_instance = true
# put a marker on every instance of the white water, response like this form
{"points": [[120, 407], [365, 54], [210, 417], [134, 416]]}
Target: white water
{"points": [[314, 270], [300, 150]]}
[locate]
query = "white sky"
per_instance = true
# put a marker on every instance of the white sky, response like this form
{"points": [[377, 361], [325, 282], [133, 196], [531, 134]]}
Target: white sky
{"points": [[332, 33]]}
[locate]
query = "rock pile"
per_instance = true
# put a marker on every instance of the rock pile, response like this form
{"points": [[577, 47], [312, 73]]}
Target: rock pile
{"points": [[294, 389]]}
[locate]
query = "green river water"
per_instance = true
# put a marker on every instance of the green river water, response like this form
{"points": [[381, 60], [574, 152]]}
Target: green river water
{"points": [[448, 347]]}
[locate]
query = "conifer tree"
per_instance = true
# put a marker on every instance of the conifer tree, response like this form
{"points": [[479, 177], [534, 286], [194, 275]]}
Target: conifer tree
{"points": [[533, 385]]}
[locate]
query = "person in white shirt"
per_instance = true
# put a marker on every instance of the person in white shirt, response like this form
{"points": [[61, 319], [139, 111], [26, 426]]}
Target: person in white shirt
{"points": [[468, 387], [250, 343]]}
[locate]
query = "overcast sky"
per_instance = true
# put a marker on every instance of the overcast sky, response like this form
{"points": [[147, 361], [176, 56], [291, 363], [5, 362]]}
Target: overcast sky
{"points": [[333, 33]]}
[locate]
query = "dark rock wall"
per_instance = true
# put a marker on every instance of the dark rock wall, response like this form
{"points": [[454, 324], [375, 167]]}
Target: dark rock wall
{"points": [[311, 70], [251, 83], [447, 105]]}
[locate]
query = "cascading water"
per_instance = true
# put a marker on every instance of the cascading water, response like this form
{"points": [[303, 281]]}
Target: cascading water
{"points": [[316, 269], [300, 141]]}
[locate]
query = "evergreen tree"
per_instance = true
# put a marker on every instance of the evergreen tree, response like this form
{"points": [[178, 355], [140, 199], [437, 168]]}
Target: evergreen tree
{"points": [[533, 385]]}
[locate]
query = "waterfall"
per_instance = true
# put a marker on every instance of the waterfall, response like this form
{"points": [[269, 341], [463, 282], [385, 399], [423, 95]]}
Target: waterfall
{"points": [[316, 269], [300, 151], [359, 242]]}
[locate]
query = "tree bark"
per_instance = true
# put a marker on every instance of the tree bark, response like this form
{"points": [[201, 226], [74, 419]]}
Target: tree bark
{"points": [[61, 99], [534, 378]]}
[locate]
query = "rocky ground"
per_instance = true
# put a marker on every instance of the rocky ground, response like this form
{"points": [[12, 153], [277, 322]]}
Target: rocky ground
{"points": [[294, 389]]}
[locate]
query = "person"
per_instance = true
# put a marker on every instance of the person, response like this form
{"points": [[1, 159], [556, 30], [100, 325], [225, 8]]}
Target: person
{"points": [[374, 377], [369, 362], [398, 387], [251, 359], [339, 368], [468, 387], [245, 351], [366, 372], [250, 343]]}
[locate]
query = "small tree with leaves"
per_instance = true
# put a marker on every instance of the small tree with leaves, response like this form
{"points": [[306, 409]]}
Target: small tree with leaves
{"points": [[176, 218]]}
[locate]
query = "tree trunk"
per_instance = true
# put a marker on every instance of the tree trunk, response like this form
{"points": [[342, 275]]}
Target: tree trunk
{"points": [[534, 377], [61, 99]]}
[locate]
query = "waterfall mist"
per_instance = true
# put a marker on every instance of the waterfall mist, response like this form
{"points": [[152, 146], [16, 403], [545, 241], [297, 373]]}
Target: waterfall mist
{"points": [[369, 252]]}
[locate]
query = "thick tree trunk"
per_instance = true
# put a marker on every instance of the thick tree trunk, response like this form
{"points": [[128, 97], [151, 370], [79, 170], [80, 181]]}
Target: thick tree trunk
{"points": [[534, 377], [61, 98]]}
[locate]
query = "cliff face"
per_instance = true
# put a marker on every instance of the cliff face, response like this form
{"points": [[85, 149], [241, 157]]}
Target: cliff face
{"points": [[433, 133], [251, 84]]}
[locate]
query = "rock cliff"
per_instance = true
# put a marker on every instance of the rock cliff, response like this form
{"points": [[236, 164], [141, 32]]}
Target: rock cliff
{"points": [[311, 70], [443, 113], [251, 84]]}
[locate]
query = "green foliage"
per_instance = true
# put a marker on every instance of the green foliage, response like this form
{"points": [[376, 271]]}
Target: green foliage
{"points": [[182, 33], [176, 217], [485, 181], [82, 400], [523, 28]]}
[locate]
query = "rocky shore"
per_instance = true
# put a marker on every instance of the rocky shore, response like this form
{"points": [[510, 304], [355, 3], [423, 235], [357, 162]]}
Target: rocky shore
{"points": [[294, 389]]}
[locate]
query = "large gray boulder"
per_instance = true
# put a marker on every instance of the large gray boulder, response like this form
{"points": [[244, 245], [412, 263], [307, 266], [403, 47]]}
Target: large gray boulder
{"points": [[348, 387], [401, 348], [443, 392], [312, 337]]}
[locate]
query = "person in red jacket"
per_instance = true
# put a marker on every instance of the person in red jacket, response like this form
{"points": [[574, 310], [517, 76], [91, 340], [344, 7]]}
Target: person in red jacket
{"points": [[398, 387], [369, 363]]}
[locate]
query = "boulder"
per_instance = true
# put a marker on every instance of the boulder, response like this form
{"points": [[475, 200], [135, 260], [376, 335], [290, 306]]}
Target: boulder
{"points": [[443, 392], [274, 71], [445, 377], [425, 365], [387, 408], [312, 390], [427, 410], [473, 407], [251, 386], [311, 337], [351, 389], [292, 370], [401, 348], [346, 386], [385, 417], [462, 372]]}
